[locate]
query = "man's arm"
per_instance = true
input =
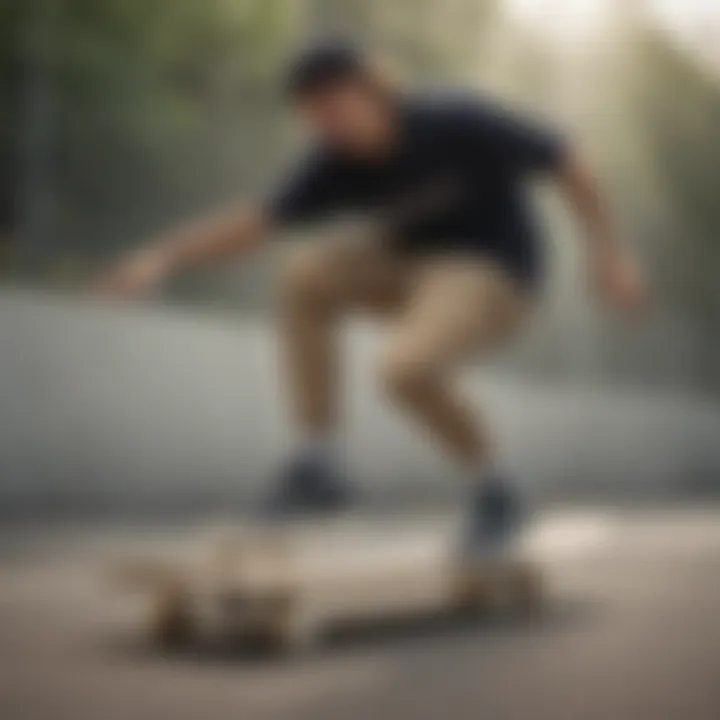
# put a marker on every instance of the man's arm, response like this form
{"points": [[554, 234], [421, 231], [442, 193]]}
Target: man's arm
{"points": [[213, 240], [525, 146], [613, 270]]}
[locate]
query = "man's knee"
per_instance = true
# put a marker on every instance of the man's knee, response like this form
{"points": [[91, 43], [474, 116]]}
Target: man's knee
{"points": [[404, 374], [308, 276]]}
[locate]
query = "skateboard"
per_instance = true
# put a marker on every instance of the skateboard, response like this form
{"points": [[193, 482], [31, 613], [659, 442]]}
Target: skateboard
{"points": [[283, 588]]}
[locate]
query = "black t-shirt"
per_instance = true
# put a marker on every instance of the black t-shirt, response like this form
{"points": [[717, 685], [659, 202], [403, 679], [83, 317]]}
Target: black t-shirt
{"points": [[455, 182]]}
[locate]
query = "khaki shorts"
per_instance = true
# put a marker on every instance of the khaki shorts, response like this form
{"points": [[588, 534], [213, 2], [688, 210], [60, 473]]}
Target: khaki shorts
{"points": [[441, 309]]}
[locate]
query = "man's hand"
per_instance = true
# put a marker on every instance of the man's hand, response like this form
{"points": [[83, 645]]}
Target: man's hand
{"points": [[137, 275], [618, 281], [212, 241], [613, 272]]}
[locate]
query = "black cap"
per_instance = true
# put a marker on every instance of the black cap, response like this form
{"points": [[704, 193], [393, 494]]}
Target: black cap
{"points": [[324, 64]]}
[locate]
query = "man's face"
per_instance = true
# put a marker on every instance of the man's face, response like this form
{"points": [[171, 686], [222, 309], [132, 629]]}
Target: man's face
{"points": [[347, 115]]}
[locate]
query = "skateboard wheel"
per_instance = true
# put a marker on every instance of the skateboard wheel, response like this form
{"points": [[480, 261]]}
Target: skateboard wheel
{"points": [[516, 591], [472, 594], [284, 628], [172, 624], [528, 590], [293, 632], [274, 625]]}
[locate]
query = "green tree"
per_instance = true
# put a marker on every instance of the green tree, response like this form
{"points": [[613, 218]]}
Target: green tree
{"points": [[152, 107]]}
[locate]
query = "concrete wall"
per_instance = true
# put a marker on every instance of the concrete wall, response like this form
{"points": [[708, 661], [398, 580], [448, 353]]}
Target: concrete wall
{"points": [[145, 410]]}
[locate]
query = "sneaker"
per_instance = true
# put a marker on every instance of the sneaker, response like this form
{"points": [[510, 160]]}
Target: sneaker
{"points": [[495, 520], [309, 486]]}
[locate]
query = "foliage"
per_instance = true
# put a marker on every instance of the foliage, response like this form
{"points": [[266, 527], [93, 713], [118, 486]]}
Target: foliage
{"points": [[138, 95]]}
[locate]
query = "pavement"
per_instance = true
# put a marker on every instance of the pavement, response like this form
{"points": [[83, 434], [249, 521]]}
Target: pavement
{"points": [[631, 630]]}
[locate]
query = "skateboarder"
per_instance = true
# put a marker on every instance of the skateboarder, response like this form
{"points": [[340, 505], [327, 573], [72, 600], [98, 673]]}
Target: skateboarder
{"points": [[453, 260]]}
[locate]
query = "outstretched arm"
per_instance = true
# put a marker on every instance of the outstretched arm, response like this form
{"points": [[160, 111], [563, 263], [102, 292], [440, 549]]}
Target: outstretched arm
{"points": [[613, 270], [210, 241]]}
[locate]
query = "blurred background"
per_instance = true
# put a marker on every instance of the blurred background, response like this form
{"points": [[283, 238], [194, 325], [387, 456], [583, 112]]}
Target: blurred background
{"points": [[122, 118]]}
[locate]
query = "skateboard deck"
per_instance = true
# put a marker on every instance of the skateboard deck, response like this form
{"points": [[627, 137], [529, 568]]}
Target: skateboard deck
{"points": [[285, 586]]}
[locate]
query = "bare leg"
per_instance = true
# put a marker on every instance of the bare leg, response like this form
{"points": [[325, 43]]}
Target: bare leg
{"points": [[310, 305], [457, 308], [321, 284]]}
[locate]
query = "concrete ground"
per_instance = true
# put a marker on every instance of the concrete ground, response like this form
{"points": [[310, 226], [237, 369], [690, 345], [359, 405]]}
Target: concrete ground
{"points": [[632, 630]]}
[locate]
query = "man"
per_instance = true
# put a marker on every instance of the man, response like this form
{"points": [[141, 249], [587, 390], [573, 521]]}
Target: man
{"points": [[455, 260]]}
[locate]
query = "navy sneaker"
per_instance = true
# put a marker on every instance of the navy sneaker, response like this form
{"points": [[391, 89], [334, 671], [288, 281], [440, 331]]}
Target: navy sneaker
{"points": [[309, 486], [495, 519]]}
